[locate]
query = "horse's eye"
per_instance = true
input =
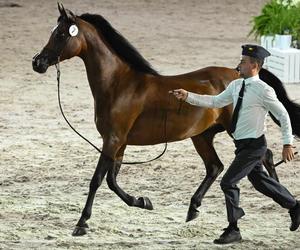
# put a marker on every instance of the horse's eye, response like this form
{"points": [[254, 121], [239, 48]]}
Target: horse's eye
{"points": [[61, 36]]}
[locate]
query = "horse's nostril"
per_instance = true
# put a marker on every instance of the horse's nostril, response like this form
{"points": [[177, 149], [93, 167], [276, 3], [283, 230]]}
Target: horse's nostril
{"points": [[39, 65], [35, 62], [35, 56]]}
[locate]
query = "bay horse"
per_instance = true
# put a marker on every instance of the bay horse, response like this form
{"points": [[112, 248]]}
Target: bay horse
{"points": [[131, 102]]}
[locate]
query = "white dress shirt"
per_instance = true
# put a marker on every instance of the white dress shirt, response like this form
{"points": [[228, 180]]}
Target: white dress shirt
{"points": [[259, 98]]}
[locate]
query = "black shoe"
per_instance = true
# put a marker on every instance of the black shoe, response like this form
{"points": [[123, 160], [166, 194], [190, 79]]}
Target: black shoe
{"points": [[229, 236], [295, 217]]}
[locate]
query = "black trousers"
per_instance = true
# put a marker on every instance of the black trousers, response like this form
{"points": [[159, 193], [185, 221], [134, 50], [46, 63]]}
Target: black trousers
{"points": [[248, 162]]}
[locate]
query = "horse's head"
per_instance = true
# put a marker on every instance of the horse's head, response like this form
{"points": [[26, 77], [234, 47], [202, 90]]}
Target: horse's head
{"points": [[63, 43]]}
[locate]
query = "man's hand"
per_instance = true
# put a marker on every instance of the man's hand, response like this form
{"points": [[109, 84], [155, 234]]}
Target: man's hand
{"points": [[287, 153], [180, 94]]}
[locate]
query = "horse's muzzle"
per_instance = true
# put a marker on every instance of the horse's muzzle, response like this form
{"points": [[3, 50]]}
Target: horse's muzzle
{"points": [[42, 61], [39, 64]]}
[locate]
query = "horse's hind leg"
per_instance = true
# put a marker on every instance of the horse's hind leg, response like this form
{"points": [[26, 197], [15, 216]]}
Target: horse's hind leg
{"points": [[103, 165], [141, 202], [204, 146], [269, 164]]}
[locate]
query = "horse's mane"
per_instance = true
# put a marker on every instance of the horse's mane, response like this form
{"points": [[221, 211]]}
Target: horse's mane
{"points": [[119, 44]]}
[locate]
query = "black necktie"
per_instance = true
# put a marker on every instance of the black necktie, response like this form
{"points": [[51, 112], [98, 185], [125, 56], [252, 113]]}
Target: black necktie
{"points": [[237, 109]]}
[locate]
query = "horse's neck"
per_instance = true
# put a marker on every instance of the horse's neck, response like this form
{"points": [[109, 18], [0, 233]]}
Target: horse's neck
{"points": [[101, 64]]}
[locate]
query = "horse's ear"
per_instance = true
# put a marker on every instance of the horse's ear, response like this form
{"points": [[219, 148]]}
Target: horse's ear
{"points": [[66, 14], [59, 8], [62, 11], [71, 16]]}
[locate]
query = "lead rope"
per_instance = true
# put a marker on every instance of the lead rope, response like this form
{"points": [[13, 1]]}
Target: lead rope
{"points": [[95, 147]]}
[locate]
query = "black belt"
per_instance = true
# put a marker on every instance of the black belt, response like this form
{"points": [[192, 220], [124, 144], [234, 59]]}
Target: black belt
{"points": [[250, 142]]}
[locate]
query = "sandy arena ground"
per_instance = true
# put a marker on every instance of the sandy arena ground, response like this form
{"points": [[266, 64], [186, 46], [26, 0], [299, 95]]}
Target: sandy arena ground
{"points": [[45, 168]]}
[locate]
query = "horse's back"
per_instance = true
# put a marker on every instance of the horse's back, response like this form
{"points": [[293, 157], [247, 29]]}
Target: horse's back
{"points": [[212, 73], [209, 80]]}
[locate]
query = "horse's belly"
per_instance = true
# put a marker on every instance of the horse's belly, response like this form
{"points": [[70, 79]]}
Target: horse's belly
{"points": [[152, 129]]}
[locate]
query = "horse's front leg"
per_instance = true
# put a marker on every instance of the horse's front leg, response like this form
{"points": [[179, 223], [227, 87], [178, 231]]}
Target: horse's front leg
{"points": [[103, 165], [141, 202]]}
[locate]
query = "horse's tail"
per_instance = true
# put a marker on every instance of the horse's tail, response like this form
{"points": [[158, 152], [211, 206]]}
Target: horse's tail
{"points": [[292, 108]]}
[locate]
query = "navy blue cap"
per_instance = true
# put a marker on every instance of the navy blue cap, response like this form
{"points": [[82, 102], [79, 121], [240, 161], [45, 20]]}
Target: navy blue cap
{"points": [[255, 51]]}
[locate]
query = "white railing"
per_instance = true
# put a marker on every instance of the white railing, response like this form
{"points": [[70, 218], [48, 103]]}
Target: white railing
{"points": [[284, 63]]}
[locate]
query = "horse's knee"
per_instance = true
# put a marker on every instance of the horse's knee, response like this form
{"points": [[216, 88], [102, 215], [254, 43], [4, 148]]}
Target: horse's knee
{"points": [[104, 164], [111, 181], [219, 169], [214, 170]]}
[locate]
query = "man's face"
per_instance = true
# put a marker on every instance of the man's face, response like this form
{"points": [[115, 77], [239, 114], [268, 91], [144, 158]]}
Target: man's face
{"points": [[247, 69]]}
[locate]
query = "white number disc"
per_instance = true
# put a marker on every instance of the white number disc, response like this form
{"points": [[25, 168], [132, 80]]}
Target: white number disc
{"points": [[73, 30]]}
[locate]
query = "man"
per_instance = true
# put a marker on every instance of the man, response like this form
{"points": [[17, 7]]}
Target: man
{"points": [[252, 99]]}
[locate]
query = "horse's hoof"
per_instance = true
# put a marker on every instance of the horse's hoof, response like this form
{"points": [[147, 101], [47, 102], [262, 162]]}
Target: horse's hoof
{"points": [[146, 203], [193, 213], [79, 231]]}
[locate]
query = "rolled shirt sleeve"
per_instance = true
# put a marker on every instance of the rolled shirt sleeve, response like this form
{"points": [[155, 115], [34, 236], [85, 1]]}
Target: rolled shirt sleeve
{"points": [[278, 110]]}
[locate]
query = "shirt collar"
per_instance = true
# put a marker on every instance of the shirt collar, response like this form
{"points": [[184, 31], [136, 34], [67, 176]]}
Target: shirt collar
{"points": [[251, 79]]}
